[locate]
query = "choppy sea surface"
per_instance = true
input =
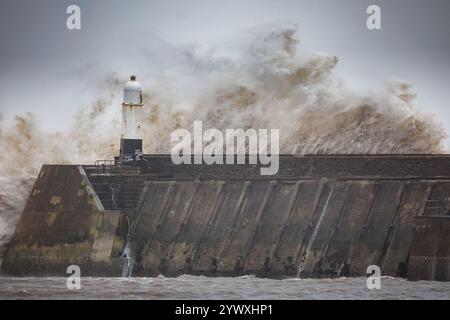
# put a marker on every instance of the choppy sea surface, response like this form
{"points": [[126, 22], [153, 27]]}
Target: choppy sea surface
{"points": [[199, 287]]}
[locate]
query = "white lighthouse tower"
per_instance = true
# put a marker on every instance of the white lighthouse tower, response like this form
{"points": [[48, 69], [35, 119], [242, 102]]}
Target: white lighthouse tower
{"points": [[132, 112]]}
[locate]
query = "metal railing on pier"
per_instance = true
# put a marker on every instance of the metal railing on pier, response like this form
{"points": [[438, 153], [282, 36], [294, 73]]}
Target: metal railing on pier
{"points": [[106, 167]]}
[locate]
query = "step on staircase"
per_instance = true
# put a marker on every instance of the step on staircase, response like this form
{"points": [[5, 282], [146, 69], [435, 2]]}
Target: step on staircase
{"points": [[118, 191]]}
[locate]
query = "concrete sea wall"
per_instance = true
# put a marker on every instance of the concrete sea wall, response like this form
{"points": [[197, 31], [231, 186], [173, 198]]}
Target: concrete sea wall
{"points": [[310, 228], [320, 216], [64, 223]]}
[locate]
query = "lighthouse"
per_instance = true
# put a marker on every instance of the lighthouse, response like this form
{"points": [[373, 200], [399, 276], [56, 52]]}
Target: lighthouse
{"points": [[132, 112]]}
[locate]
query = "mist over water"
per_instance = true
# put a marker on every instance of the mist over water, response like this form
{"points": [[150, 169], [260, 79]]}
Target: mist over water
{"points": [[270, 83]]}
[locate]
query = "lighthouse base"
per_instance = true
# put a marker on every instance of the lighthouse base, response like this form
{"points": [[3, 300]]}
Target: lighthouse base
{"points": [[130, 149]]}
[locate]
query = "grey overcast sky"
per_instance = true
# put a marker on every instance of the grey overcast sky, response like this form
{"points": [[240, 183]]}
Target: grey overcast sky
{"points": [[41, 61]]}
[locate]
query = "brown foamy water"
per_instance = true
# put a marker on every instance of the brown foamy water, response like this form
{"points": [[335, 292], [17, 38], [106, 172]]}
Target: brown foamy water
{"points": [[199, 287]]}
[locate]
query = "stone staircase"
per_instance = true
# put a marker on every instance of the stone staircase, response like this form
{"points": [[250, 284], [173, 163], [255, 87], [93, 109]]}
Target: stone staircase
{"points": [[130, 191], [118, 191]]}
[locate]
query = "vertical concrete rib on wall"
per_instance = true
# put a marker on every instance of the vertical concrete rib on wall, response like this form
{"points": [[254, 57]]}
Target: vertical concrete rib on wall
{"points": [[324, 266], [303, 241], [278, 209], [349, 263], [241, 238], [412, 204], [212, 212], [149, 235], [215, 238], [291, 207], [268, 194], [381, 260], [236, 213], [307, 252]]}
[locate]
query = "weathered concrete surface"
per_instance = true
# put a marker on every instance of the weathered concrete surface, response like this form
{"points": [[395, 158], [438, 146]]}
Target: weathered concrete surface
{"points": [[64, 223], [430, 250], [314, 166], [275, 228], [320, 216]]}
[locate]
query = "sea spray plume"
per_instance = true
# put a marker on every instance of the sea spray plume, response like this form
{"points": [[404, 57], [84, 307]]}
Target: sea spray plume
{"points": [[17, 170], [270, 85], [273, 86], [26, 147]]}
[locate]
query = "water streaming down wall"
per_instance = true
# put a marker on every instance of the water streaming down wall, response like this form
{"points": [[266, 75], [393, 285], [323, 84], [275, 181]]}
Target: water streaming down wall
{"points": [[127, 269], [307, 251], [320, 216], [127, 254]]}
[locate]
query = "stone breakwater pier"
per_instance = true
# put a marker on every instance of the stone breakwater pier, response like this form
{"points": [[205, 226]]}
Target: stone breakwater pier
{"points": [[319, 216]]}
